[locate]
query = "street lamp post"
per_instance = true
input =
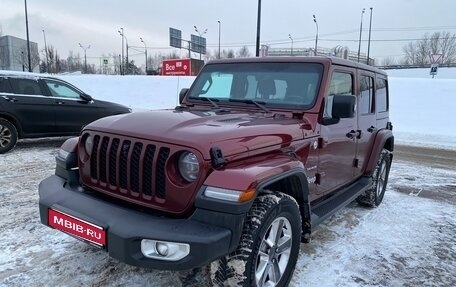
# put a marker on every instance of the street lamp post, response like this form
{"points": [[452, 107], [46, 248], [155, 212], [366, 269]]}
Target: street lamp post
{"points": [[145, 51], [28, 39], [46, 52], [291, 38], [219, 26], [200, 34], [369, 41], [316, 36], [122, 68], [85, 56], [360, 32], [257, 52]]}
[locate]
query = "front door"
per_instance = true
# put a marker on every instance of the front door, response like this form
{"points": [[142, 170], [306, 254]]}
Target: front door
{"points": [[72, 112], [338, 138]]}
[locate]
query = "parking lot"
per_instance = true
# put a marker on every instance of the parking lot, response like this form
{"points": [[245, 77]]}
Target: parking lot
{"points": [[408, 241]]}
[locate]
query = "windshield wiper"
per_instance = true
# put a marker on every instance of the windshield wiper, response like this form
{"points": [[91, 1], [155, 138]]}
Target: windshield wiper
{"points": [[250, 101], [212, 101]]}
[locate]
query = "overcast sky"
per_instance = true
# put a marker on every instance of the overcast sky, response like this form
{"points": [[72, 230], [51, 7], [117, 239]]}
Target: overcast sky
{"points": [[96, 23]]}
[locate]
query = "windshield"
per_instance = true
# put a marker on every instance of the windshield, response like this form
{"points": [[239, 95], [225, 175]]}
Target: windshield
{"points": [[275, 85]]}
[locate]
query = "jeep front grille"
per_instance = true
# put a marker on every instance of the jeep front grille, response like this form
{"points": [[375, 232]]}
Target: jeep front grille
{"points": [[130, 168]]}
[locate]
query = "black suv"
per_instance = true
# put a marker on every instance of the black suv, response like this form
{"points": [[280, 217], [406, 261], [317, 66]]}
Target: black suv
{"points": [[32, 106]]}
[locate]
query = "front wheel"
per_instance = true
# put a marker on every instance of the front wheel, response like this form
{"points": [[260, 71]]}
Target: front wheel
{"points": [[374, 195], [269, 246], [8, 136]]}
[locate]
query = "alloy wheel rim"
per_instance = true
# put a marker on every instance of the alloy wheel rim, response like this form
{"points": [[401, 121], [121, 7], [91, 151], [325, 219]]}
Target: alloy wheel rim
{"points": [[274, 253], [381, 179], [5, 136]]}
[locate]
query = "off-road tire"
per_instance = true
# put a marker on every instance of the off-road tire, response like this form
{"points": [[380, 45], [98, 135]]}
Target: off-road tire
{"points": [[8, 136], [240, 267], [374, 195]]}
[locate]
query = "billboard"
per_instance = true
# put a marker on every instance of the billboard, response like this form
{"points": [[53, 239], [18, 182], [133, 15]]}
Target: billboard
{"points": [[175, 38], [179, 67], [198, 44]]}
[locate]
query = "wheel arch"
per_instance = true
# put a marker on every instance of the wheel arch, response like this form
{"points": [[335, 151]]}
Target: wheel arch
{"points": [[383, 140], [14, 121], [295, 184]]}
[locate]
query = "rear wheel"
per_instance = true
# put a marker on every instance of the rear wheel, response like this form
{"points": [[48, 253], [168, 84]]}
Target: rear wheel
{"points": [[8, 136], [269, 245], [374, 195]]}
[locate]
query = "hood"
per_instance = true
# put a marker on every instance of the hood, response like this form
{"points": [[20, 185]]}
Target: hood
{"points": [[233, 133]]}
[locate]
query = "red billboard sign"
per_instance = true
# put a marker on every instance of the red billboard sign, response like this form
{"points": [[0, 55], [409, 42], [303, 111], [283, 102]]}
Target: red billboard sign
{"points": [[179, 67]]}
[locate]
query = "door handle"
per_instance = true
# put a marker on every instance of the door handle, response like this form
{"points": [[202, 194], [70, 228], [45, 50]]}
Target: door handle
{"points": [[9, 99], [371, 129], [60, 102], [353, 134]]}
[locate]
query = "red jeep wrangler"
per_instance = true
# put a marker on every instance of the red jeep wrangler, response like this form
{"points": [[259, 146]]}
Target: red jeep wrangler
{"points": [[259, 152]]}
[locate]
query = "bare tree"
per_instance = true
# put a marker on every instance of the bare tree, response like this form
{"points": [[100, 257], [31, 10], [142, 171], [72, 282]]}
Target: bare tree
{"points": [[418, 52], [389, 61], [243, 52], [227, 54], [20, 55]]}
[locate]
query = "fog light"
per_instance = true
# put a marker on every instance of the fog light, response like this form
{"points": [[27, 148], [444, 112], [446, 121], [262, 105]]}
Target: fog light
{"points": [[162, 250]]}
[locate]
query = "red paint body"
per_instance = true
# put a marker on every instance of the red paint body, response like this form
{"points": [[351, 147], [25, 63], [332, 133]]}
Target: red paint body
{"points": [[256, 146]]}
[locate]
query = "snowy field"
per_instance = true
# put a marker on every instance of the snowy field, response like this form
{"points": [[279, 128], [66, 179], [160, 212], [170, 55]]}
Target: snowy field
{"points": [[408, 241]]}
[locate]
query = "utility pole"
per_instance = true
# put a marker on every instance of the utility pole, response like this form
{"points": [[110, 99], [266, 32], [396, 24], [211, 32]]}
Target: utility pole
{"points": [[85, 56], [291, 38], [219, 26], [46, 52], [369, 42], [200, 34], [360, 32], [122, 67], [28, 39], [145, 51], [316, 36], [258, 30]]}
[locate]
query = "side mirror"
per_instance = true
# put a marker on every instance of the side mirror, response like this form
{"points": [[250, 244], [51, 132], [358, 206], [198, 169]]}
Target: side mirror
{"points": [[86, 97], [343, 106], [182, 94]]}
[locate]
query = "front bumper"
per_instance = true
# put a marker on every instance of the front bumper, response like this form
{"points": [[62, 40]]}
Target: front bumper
{"points": [[209, 238]]}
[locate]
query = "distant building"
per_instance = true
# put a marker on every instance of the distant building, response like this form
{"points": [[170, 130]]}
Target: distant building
{"points": [[13, 54]]}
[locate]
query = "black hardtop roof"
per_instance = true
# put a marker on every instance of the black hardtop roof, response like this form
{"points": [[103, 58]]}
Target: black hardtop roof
{"points": [[323, 60]]}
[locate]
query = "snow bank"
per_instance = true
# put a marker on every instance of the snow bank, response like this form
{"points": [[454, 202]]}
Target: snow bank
{"points": [[421, 108], [421, 111], [443, 73], [137, 92]]}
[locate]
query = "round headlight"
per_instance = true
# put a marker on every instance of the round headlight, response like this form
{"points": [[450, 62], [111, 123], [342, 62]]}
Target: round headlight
{"points": [[88, 145], [188, 166]]}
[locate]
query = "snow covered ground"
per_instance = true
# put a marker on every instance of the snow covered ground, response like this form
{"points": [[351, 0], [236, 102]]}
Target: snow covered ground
{"points": [[408, 241]]}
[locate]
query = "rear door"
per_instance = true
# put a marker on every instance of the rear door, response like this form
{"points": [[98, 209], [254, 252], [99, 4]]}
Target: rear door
{"points": [[367, 121], [72, 112], [28, 104]]}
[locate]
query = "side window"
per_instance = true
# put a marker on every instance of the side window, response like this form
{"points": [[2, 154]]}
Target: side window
{"points": [[59, 89], [366, 100], [5, 86], [25, 87], [381, 95], [341, 83]]}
